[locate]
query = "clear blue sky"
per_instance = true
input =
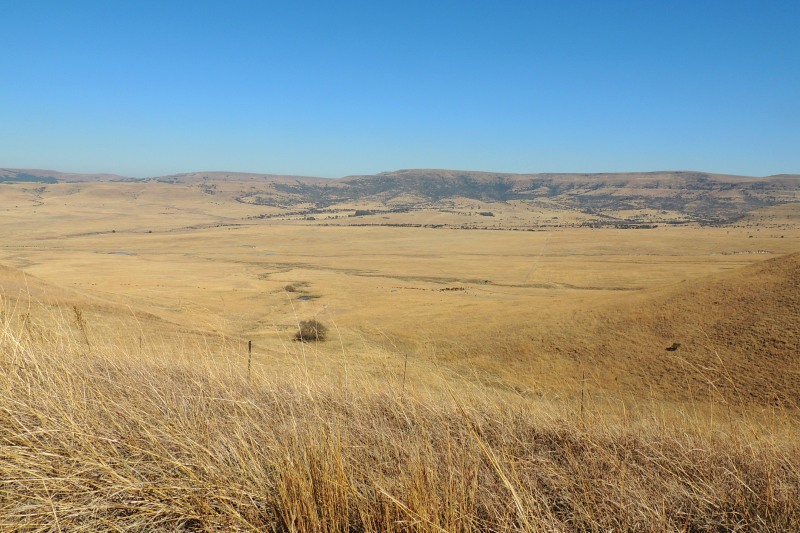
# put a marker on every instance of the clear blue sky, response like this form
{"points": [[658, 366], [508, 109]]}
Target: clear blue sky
{"points": [[329, 89]]}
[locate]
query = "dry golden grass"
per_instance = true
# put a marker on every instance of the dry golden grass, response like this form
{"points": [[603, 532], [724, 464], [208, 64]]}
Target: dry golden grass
{"points": [[471, 380], [525, 314], [736, 336], [92, 438]]}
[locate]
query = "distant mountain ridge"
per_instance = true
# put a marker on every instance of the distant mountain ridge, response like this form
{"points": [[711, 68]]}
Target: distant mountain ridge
{"points": [[694, 196], [698, 196], [22, 175], [19, 175]]}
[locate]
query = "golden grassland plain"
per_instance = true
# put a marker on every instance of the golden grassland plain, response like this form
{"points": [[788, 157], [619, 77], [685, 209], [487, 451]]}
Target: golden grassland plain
{"points": [[491, 378], [480, 300]]}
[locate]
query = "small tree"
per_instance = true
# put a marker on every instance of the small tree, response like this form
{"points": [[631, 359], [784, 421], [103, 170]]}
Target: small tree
{"points": [[311, 331]]}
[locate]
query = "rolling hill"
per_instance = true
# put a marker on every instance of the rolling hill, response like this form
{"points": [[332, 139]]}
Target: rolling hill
{"points": [[733, 337], [602, 199]]}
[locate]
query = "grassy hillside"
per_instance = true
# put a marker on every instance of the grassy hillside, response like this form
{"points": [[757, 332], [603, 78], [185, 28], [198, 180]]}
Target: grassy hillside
{"points": [[738, 333], [149, 427], [730, 337], [93, 438]]}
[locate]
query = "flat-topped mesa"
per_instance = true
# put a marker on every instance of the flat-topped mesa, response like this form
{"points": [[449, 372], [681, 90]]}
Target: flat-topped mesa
{"points": [[240, 177], [16, 175]]}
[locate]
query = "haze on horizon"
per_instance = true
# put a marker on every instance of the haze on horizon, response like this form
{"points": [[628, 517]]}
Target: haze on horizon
{"points": [[330, 90]]}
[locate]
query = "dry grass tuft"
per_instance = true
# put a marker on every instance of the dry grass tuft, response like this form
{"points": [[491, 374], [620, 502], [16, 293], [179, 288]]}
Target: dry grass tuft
{"points": [[93, 439]]}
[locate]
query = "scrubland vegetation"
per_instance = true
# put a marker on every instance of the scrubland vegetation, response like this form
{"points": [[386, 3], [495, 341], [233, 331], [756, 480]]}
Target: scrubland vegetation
{"points": [[99, 436]]}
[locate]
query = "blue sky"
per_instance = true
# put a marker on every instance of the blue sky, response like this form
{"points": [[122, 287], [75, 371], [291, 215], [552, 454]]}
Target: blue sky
{"points": [[336, 88]]}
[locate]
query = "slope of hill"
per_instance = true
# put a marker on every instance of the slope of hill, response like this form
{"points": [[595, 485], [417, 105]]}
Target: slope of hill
{"points": [[732, 337]]}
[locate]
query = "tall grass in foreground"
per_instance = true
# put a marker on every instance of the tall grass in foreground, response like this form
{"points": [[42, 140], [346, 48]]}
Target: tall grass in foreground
{"points": [[93, 438]]}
